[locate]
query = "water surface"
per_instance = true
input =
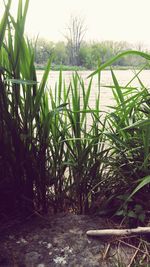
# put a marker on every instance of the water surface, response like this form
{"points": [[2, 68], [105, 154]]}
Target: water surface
{"points": [[123, 77]]}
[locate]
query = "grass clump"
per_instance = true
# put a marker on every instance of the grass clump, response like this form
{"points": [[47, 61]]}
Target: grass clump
{"points": [[127, 132], [57, 150], [49, 153], [20, 98]]}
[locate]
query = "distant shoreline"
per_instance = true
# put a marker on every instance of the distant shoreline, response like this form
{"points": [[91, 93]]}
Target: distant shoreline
{"points": [[80, 68]]}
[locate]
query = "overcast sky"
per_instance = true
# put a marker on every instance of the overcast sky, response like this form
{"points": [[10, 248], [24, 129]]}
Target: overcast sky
{"points": [[117, 20]]}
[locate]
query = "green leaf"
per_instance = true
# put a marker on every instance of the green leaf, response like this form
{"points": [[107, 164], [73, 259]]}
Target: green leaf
{"points": [[140, 123], [115, 58], [120, 213], [141, 217], [145, 181], [118, 89], [4, 22], [132, 214], [20, 81], [138, 208], [41, 88]]}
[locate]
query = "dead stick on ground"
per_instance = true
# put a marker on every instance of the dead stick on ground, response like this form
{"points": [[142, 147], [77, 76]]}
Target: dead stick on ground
{"points": [[106, 251], [118, 232], [134, 256], [131, 246]]}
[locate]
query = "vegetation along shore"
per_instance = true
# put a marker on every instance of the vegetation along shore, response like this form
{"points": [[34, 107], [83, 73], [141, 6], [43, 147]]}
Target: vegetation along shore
{"points": [[50, 155], [57, 154]]}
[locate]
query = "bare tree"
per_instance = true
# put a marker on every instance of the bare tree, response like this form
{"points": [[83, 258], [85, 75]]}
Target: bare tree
{"points": [[74, 36]]}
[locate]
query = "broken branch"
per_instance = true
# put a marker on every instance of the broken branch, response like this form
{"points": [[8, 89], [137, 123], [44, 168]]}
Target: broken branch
{"points": [[118, 232]]}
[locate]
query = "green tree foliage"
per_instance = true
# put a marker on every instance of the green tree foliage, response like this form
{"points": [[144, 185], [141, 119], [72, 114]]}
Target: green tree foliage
{"points": [[60, 54], [89, 53], [43, 50]]}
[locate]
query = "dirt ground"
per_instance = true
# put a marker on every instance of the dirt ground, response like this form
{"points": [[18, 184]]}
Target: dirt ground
{"points": [[61, 240]]}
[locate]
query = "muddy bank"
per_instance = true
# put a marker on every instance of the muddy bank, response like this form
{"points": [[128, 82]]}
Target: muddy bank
{"points": [[60, 240]]}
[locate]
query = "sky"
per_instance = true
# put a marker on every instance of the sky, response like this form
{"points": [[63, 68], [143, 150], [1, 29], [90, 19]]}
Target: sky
{"points": [[117, 20]]}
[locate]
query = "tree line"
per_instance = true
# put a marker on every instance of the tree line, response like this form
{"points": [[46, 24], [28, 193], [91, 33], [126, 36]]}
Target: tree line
{"points": [[88, 55], [75, 51]]}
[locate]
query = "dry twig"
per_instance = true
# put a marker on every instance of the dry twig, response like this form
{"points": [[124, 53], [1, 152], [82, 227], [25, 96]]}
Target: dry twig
{"points": [[118, 232], [135, 254], [106, 251]]}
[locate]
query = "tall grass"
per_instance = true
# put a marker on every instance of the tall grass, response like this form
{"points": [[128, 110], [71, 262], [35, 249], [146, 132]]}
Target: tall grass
{"points": [[52, 155], [127, 131], [20, 115], [57, 151]]}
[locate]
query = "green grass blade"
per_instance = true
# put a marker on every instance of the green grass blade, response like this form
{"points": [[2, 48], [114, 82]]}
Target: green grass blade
{"points": [[41, 89], [145, 181], [115, 58], [4, 22]]}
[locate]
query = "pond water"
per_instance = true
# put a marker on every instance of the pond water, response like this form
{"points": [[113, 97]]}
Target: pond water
{"points": [[123, 77]]}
